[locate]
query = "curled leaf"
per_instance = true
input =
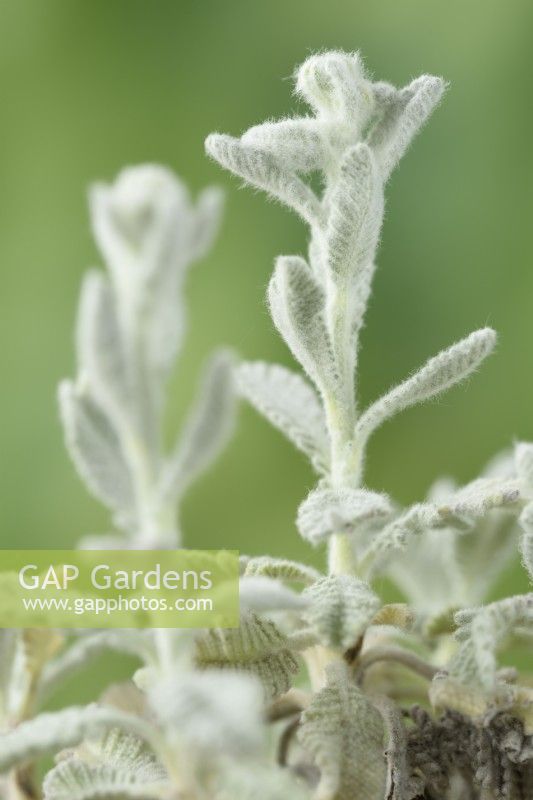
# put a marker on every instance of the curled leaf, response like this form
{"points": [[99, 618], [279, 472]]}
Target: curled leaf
{"points": [[257, 647], [297, 305], [281, 568], [340, 609], [261, 169], [328, 511]]}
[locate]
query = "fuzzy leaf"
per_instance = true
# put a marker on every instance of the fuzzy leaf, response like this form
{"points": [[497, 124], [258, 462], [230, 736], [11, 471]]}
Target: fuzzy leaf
{"points": [[335, 85], [460, 511], [407, 111], [216, 712], [257, 647], [281, 568], [298, 145], [355, 217], [206, 223], [96, 450], [297, 307], [262, 594], [149, 232], [125, 768], [290, 404], [341, 609], [50, 733], [524, 464], [141, 224], [396, 534], [208, 427], [480, 634], [344, 733], [9, 645], [479, 497], [73, 779], [262, 170], [328, 511], [440, 373], [101, 354], [526, 541]]}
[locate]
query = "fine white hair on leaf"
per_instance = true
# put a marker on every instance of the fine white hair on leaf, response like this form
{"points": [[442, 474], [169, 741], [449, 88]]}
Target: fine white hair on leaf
{"points": [[523, 461], [355, 217], [297, 305], [340, 609], [262, 594], [335, 86], [359, 131], [290, 404], [281, 568], [343, 732], [410, 108], [459, 511], [297, 144], [49, 733], [526, 540], [480, 634], [261, 169], [96, 450], [257, 647], [328, 511], [441, 372]]}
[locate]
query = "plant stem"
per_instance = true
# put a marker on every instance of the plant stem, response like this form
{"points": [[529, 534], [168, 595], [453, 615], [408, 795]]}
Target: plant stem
{"points": [[341, 560]]}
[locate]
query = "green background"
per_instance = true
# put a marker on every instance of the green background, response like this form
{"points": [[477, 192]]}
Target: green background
{"points": [[88, 87]]}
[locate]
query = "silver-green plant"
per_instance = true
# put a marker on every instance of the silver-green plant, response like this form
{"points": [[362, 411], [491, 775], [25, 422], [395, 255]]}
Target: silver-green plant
{"points": [[376, 700], [130, 328]]}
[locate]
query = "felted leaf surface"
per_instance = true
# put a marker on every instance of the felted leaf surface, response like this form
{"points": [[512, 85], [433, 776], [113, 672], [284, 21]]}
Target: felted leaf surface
{"points": [[299, 145], [460, 511], [101, 353], [526, 541], [257, 647], [328, 511], [480, 634], [96, 450], [440, 373], [297, 305], [260, 593], [290, 404], [341, 608], [343, 733], [403, 114], [56, 731], [73, 779], [355, 217], [261, 169], [281, 568]]}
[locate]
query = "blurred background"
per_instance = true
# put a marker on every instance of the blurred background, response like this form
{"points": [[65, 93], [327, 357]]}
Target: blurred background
{"points": [[88, 88]]}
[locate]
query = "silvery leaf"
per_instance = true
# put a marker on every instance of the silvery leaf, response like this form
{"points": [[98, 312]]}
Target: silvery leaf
{"points": [[290, 404]]}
